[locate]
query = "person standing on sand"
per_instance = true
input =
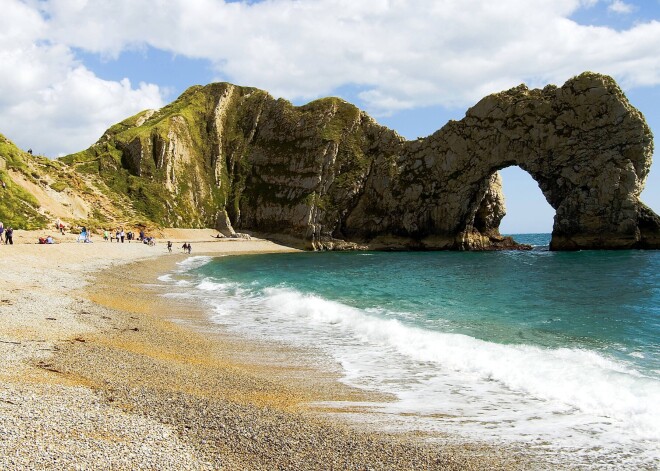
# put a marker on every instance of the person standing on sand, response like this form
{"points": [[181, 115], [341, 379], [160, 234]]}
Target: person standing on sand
{"points": [[169, 246], [9, 236], [2, 229]]}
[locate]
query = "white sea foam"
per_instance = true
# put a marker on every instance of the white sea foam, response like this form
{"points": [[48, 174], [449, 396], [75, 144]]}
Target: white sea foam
{"points": [[182, 267], [208, 284], [574, 378], [193, 262], [575, 399]]}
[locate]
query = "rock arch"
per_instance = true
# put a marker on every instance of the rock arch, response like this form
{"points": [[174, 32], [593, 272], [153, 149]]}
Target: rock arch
{"points": [[586, 146], [325, 175]]}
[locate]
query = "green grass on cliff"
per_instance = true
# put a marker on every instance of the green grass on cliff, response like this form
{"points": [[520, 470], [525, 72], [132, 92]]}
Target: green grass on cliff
{"points": [[12, 155], [260, 136], [18, 208], [137, 174], [214, 175]]}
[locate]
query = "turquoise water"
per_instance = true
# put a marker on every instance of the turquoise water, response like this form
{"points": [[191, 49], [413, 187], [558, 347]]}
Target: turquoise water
{"points": [[558, 351]]}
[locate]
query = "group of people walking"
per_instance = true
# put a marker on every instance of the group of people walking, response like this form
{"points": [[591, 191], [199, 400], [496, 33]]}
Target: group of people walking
{"points": [[187, 248], [119, 236], [6, 234]]}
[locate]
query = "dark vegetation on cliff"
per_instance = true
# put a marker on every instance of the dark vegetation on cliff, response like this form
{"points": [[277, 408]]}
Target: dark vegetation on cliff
{"points": [[327, 176]]}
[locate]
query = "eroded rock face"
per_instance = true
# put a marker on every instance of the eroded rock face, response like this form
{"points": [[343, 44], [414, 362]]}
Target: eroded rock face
{"points": [[586, 146], [330, 176]]}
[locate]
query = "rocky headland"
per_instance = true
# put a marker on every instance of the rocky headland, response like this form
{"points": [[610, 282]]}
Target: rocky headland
{"points": [[327, 176]]}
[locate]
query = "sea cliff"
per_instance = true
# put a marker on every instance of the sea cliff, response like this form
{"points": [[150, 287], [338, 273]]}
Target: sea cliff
{"points": [[327, 176]]}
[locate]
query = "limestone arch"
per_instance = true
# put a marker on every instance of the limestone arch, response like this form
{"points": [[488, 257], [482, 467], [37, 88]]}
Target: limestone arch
{"points": [[584, 144]]}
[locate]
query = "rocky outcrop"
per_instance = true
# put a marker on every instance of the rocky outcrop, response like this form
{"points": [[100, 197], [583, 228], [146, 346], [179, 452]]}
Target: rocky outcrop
{"points": [[584, 144], [328, 175]]}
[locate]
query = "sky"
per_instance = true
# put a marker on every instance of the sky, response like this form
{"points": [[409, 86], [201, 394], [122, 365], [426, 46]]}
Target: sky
{"points": [[72, 68]]}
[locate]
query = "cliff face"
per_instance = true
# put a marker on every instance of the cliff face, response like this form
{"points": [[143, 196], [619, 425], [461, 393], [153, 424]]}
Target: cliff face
{"points": [[328, 175]]}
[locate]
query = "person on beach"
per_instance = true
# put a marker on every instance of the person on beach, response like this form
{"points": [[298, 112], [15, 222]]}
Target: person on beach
{"points": [[117, 235], [2, 230], [169, 246], [9, 236], [189, 247]]}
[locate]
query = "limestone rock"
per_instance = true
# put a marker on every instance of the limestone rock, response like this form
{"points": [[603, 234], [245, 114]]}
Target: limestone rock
{"points": [[223, 225], [585, 145], [328, 175]]}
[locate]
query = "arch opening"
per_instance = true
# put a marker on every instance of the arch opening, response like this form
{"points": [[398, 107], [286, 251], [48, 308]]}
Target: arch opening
{"points": [[527, 210]]}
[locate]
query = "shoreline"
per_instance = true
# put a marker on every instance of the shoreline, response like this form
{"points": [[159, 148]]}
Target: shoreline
{"points": [[266, 360], [114, 374]]}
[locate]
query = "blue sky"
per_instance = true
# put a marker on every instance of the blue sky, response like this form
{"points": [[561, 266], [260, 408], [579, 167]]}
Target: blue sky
{"points": [[72, 68]]}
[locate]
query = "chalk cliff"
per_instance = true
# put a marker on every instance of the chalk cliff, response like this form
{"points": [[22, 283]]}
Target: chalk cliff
{"points": [[328, 176]]}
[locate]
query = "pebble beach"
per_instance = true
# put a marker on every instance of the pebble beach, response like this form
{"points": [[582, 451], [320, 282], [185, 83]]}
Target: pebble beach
{"points": [[98, 371]]}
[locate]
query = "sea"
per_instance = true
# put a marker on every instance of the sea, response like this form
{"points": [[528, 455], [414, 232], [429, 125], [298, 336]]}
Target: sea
{"points": [[557, 353]]}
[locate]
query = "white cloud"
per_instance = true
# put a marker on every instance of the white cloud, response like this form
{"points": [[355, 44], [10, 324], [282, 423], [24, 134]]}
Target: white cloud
{"points": [[401, 53], [452, 51], [619, 6], [48, 100]]}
